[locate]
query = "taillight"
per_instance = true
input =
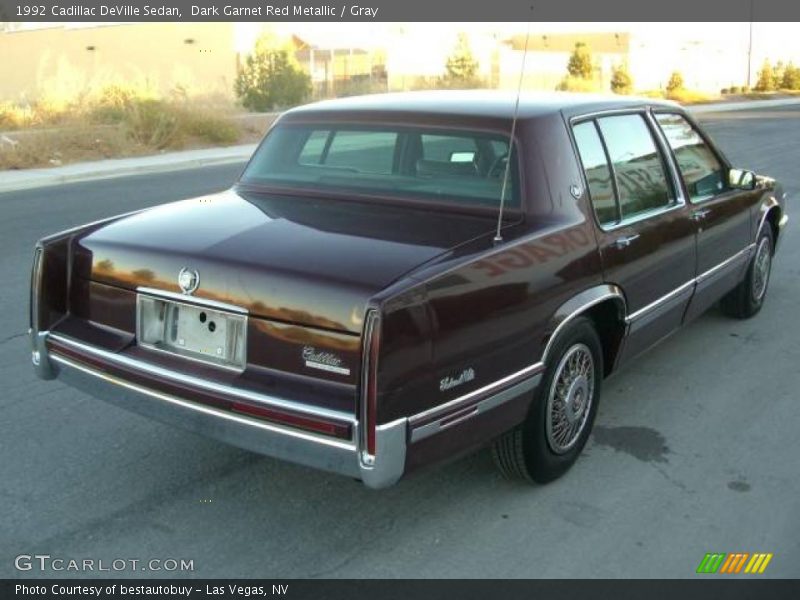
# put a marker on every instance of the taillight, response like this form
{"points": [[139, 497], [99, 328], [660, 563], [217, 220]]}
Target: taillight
{"points": [[369, 386], [36, 284], [338, 430], [49, 283]]}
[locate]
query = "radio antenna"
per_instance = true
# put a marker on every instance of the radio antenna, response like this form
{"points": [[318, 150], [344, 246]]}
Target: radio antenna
{"points": [[498, 236]]}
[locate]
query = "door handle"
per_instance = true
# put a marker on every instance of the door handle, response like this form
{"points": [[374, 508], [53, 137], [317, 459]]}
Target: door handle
{"points": [[700, 214], [625, 241]]}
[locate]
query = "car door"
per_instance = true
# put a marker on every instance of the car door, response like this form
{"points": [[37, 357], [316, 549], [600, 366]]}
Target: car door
{"points": [[645, 236], [721, 214]]}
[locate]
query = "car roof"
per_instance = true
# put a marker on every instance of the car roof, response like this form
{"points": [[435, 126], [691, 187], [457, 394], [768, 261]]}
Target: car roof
{"points": [[479, 103]]}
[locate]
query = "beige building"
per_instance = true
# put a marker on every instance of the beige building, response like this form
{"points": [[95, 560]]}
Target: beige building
{"points": [[64, 62], [202, 58]]}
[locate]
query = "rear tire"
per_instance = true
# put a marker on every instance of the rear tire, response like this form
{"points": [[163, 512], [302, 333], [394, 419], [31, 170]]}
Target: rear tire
{"points": [[747, 298], [560, 419]]}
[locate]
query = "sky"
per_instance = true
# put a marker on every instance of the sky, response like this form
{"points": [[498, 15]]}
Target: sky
{"points": [[770, 40]]}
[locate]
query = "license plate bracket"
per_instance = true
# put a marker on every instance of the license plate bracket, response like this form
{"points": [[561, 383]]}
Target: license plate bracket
{"points": [[192, 330]]}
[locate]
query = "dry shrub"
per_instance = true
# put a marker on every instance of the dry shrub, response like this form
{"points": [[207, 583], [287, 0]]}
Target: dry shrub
{"points": [[578, 84], [685, 96], [153, 124], [113, 121], [53, 147]]}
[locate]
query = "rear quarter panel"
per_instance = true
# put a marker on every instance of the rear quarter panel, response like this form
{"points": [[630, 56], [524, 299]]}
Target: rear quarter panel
{"points": [[491, 308]]}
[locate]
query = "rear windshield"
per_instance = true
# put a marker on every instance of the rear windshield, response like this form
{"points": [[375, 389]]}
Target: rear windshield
{"points": [[462, 167]]}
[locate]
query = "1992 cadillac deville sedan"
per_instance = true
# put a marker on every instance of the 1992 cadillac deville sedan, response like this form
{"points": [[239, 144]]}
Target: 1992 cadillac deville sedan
{"points": [[398, 279]]}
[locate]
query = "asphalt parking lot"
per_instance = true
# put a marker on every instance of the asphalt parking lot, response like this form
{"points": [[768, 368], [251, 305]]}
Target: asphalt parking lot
{"points": [[696, 447]]}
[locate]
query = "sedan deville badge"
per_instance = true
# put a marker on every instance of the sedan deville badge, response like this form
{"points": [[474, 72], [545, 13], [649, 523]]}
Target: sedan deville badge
{"points": [[326, 361], [448, 382]]}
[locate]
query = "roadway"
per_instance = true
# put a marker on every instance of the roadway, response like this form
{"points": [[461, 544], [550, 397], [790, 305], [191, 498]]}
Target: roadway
{"points": [[696, 446]]}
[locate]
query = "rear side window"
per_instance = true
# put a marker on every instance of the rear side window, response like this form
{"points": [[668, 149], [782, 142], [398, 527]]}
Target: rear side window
{"points": [[598, 173], [702, 172], [641, 180]]}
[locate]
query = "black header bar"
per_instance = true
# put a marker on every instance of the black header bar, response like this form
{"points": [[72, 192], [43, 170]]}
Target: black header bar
{"points": [[398, 10]]}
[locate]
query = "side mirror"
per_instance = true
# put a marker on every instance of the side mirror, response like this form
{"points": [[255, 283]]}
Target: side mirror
{"points": [[740, 179]]}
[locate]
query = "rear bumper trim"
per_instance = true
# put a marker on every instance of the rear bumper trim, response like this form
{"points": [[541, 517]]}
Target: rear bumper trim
{"points": [[203, 384], [301, 447]]}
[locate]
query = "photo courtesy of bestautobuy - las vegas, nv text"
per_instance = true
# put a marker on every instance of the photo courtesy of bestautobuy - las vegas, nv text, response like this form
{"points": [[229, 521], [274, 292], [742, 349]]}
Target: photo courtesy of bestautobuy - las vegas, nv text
{"points": [[309, 299]]}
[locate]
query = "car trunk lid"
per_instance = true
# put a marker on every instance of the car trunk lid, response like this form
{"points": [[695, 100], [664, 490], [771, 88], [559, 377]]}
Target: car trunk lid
{"points": [[306, 261]]}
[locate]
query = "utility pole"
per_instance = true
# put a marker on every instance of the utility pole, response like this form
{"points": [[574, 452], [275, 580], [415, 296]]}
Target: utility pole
{"points": [[750, 46]]}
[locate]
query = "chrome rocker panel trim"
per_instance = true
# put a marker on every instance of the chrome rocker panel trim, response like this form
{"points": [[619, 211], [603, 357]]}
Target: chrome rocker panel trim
{"points": [[743, 255], [449, 417]]}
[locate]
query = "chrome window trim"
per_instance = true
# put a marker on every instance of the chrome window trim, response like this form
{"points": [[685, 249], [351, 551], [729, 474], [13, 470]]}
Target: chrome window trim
{"points": [[263, 399], [643, 216], [208, 410], [666, 155], [192, 300]]}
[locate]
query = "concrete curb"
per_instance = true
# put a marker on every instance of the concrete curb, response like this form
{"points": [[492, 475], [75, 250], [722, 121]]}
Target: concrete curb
{"points": [[122, 167], [745, 105], [192, 159]]}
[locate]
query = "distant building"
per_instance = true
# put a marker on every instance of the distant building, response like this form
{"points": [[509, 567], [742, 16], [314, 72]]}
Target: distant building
{"points": [[204, 58], [68, 61], [336, 70], [706, 65]]}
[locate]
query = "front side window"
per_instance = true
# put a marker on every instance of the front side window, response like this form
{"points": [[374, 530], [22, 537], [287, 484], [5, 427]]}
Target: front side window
{"points": [[702, 172], [459, 167], [642, 182]]}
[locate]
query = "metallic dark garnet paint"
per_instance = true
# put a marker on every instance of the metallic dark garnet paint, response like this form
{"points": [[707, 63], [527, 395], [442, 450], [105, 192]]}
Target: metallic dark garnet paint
{"points": [[308, 267]]}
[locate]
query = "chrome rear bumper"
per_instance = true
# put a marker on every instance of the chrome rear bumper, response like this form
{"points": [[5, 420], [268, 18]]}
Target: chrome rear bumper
{"points": [[293, 445]]}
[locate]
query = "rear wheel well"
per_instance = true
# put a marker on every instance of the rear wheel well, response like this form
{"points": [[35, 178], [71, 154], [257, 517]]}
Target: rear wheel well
{"points": [[608, 318]]}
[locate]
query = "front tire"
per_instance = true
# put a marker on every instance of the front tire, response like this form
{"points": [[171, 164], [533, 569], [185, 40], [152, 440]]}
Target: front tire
{"points": [[560, 420], [747, 298]]}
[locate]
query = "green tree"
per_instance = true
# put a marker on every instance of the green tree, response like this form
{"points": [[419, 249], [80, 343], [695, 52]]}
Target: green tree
{"points": [[461, 68], [271, 78], [580, 62], [766, 78], [675, 82], [777, 75], [621, 80], [791, 77]]}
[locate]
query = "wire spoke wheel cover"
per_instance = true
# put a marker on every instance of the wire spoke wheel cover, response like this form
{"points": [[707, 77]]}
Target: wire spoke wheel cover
{"points": [[761, 268], [570, 398]]}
